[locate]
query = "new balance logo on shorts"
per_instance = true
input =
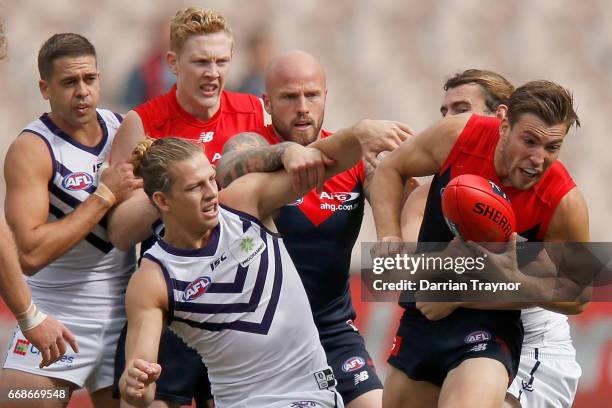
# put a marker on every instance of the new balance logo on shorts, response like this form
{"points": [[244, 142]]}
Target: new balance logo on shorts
{"points": [[325, 378], [361, 377], [479, 347], [303, 404]]}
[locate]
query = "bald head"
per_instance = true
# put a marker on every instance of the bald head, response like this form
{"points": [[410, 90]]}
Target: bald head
{"points": [[295, 96], [291, 66]]}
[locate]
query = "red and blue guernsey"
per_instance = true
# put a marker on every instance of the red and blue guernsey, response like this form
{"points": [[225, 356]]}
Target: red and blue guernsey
{"points": [[319, 231], [164, 117]]}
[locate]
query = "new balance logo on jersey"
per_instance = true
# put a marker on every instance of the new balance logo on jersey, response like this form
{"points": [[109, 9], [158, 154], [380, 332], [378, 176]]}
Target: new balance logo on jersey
{"points": [[196, 288], [216, 157], [206, 137], [479, 347], [361, 377], [77, 181]]}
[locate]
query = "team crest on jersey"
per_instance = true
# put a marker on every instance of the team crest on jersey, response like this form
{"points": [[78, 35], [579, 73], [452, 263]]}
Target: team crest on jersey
{"points": [[353, 364], [477, 337], [77, 181], [206, 137], [196, 288]]}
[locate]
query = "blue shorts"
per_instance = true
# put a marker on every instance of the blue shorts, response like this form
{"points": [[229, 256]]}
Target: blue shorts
{"points": [[351, 362], [427, 350], [183, 376]]}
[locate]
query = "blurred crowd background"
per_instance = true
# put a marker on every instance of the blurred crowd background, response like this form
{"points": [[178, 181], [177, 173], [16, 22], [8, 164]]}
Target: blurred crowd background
{"points": [[385, 59]]}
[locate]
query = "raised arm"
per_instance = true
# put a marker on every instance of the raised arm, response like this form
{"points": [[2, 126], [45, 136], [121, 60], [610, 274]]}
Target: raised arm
{"points": [[44, 332], [146, 304], [421, 155], [28, 169], [130, 133]]}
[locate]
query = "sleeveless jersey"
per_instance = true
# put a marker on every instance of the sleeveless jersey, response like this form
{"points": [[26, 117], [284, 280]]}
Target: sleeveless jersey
{"points": [[534, 208], [320, 230], [239, 302], [164, 117], [92, 277]]}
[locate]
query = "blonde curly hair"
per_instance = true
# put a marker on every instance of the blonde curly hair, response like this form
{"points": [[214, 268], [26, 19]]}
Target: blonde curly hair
{"points": [[195, 21]]}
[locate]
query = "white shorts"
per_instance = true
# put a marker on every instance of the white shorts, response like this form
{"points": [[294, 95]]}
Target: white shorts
{"points": [[329, 398], [546, 379], [92, 367]]}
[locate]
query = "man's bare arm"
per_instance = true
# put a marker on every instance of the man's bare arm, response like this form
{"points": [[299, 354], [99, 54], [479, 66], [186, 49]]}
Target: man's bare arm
{"points": [[421, 155], [49, 336], [28, 169], [130, 133], [145, 322], [131, 221], [248, 153]]}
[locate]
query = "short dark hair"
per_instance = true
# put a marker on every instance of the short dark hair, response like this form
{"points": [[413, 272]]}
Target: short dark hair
{"points": [[547, 100], [496, 88], [59, 46]]}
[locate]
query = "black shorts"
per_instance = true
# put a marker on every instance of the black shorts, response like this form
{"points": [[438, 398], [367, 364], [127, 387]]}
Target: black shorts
{"points": [[348, 357], [427, 350], [183, 375]]}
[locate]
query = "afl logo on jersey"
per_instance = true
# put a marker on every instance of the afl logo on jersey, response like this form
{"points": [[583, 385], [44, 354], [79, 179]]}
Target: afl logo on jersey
{"points": [[77, 181], [477, 337], [196, 288], [353, 364]]}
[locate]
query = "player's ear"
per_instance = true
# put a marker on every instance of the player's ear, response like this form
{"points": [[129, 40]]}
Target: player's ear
{"points": [[171, 59], [504, 128], [44, 89], [501, 111], [266, 103], [160, 201]]}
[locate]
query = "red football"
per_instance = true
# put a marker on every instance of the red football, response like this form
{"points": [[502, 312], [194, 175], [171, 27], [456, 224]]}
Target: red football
{"points": [[476, 209]]}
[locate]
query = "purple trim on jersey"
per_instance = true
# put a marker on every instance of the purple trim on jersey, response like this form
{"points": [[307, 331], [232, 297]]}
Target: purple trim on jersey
{"points": [[251, 327], [93, 239], [95, 150], [119, 117], [251, 218], [208, 250], [169, 290], [54, 162], [251, 306]]}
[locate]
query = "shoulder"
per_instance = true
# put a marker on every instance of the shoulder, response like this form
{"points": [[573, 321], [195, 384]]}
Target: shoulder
{"points": [[112, 119], [149, 279], [235, 102], [157, 106], [31, 152]]}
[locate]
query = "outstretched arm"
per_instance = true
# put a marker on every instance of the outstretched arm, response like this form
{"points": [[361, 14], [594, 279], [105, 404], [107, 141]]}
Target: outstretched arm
{"points": [[250, 153], [270, 191], [44, 332], [145, 323]]}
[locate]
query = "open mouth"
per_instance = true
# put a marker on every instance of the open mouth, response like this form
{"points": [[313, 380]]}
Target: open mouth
{"points": [[209, 89], [82, 109], [302, 124], [210, 210], [530, 173]]}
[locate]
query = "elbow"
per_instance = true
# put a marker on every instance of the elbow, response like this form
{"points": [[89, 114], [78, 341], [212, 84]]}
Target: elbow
{"points": [[30, 264]]}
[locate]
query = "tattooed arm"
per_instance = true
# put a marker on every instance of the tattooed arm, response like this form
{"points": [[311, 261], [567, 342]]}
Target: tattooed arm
{"points": [[250, 153]]}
